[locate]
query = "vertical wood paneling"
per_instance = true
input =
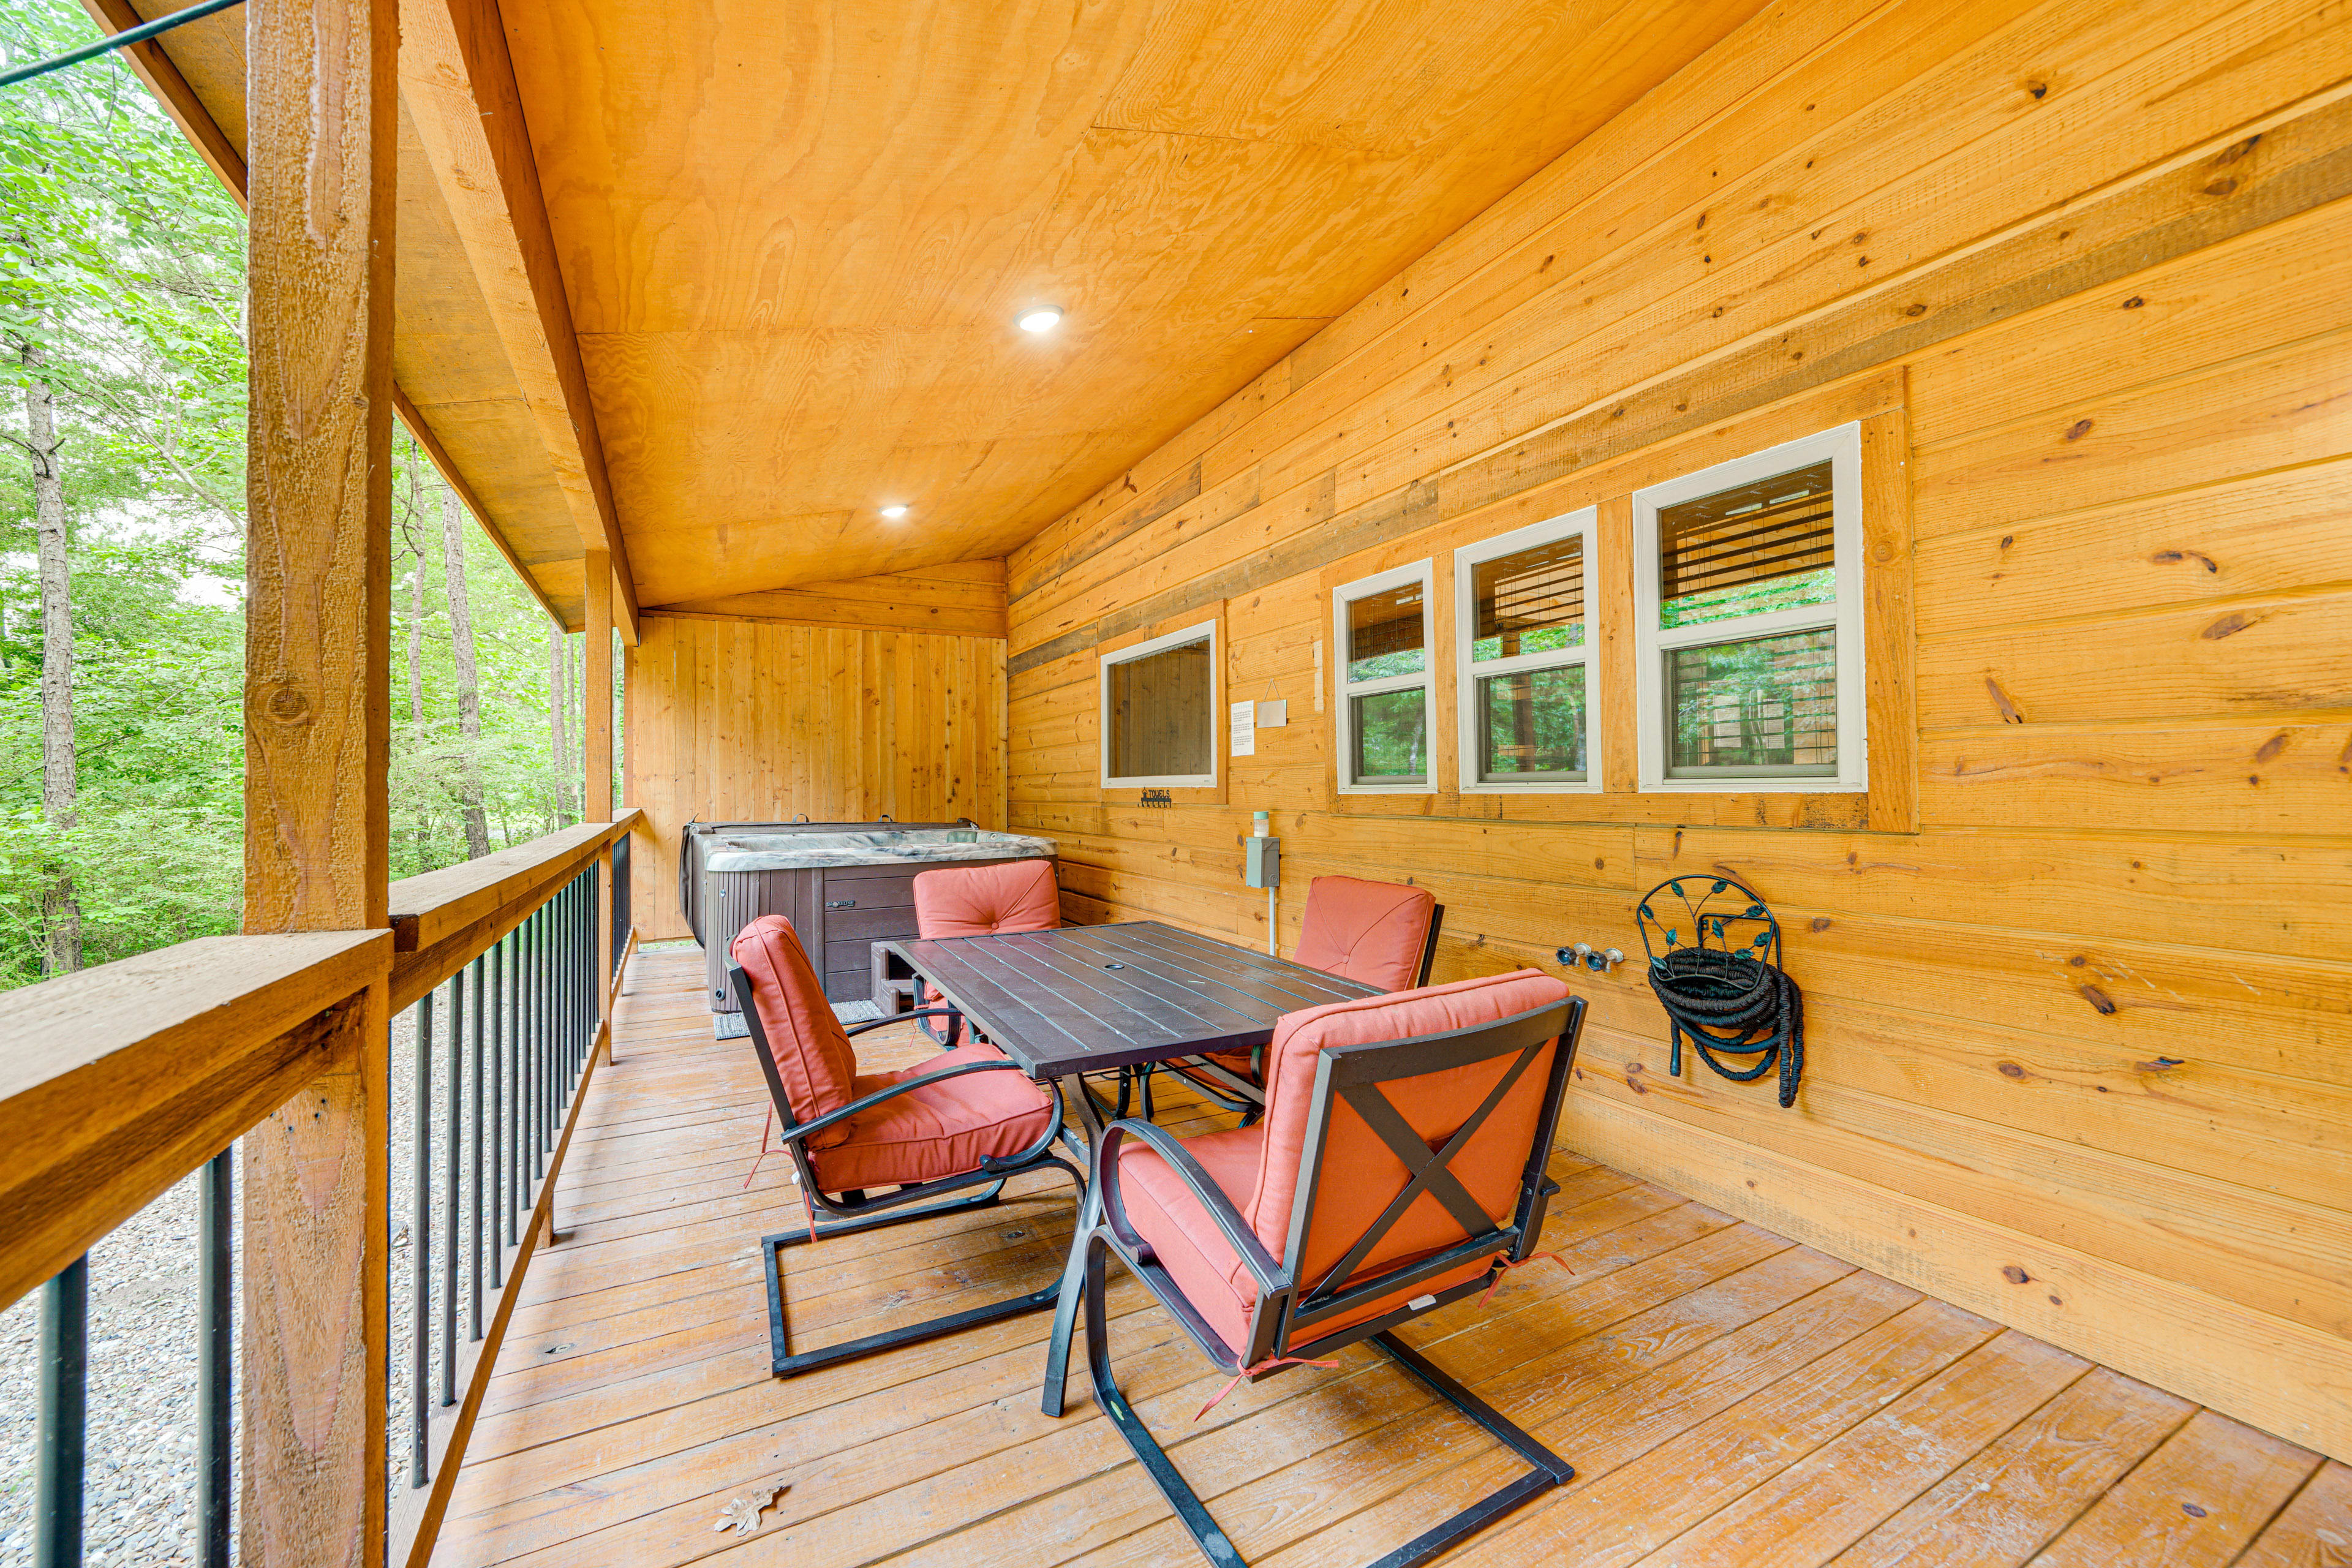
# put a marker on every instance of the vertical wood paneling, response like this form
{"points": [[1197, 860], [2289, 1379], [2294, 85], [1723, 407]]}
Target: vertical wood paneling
{"points": [[744, 721]]}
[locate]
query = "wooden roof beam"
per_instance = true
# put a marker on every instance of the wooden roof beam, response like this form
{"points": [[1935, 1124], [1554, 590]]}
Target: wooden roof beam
{"points": [[459, 84]]}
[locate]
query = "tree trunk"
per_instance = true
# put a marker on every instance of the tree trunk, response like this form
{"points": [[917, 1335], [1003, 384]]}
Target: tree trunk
{"points": [[469, 691], [559, 725], [423, 831], [61, 909]]}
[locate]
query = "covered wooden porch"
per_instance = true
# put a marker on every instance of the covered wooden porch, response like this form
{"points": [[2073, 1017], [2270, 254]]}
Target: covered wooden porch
{"points": [[1725, 1397], [1888, 457]]}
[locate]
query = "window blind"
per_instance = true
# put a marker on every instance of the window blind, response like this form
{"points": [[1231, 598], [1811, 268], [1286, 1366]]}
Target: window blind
{"points": [[1384, 634], [1540, 589], [1751, 533]]}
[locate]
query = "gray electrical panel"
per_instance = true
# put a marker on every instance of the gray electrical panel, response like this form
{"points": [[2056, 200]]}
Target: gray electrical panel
{"points": [[1261, 862]]}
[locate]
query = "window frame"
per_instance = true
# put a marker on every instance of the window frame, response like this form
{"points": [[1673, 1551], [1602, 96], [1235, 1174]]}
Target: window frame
{"points": [[1345, 692], [1469, 716], [1841, 446], [1191, 634]]}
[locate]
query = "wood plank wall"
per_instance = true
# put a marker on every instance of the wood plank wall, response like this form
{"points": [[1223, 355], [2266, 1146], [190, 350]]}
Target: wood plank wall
{"points": [[2080, 1058], [755, 720]]}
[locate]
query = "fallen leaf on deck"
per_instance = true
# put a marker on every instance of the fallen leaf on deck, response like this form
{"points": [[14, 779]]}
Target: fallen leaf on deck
{"points": [[742, 1514]]}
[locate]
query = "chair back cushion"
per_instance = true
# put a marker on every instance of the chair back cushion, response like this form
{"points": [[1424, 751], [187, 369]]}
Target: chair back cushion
{"points": [[811, 1053], [980, 900], [1360, 1173], [1371, 932]]}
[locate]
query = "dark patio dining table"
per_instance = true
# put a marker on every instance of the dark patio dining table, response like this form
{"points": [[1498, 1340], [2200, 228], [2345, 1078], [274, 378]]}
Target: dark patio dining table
{"points": [[1086, 999]]}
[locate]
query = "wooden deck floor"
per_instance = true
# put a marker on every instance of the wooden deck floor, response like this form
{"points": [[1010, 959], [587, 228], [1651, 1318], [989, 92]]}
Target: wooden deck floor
{"points": [[1726, 1398]]}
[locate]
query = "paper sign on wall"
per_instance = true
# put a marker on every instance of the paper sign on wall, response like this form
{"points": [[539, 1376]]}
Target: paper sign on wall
{"points": [[1244, 729]]}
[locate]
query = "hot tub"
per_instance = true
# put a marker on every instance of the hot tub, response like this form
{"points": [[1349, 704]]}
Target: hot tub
{"points": [[843, 886]]}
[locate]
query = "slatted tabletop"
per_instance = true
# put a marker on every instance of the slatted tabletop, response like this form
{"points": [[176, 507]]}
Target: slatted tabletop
{"points": [[1090, 998]]}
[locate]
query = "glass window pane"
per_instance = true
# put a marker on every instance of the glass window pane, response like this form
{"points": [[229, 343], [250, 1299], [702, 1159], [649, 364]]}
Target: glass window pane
{"points": [[1534, 726], [1763, 706], [1161, 723], [1530, 602], [1384, 634], [1748, 550], [1392, 733]]}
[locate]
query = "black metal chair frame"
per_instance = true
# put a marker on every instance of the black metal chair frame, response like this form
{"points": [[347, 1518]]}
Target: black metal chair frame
{"points": [[1288, 1307], [855, 1211], [1229, 1090]]}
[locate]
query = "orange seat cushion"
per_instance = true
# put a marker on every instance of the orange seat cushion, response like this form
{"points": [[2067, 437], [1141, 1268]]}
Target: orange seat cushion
{"points": [[1371, 932], [1190, 1246], [981, 900], [806, 1041], [938, 1129], [1258, 1166]]}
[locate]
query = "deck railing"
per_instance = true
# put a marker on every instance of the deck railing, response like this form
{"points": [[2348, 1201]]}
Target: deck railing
{"points": [[117, 1082]]}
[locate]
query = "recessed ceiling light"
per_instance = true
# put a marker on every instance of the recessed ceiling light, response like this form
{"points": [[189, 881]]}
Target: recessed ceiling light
{"points": [[1042, 318], [894, 512]]}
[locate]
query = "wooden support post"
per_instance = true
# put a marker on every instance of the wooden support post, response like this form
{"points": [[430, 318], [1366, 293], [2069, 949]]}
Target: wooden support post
{"points": [[596, 749], [320, 112]]}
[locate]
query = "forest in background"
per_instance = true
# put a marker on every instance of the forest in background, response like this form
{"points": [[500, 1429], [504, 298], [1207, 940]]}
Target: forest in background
{"points": [[122, 414]]}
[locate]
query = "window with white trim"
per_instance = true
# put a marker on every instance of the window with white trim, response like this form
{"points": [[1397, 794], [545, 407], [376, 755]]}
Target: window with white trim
{"points": [[1747, 622], [1159, 712], [1524, 659], [1381, 627]]}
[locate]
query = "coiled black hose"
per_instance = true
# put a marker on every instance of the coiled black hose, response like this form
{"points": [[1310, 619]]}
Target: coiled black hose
{"points": [[1732, 997]]}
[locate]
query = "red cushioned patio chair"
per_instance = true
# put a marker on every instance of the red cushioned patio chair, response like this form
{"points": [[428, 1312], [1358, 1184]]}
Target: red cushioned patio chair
{"points": [[871, 1150], [980, 900], [1379, 932], [1399, 1166]]}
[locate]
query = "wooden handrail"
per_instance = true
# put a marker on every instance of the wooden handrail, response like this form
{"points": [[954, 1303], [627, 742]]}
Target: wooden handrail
{"points": [[429, 909], [117, 1081]]}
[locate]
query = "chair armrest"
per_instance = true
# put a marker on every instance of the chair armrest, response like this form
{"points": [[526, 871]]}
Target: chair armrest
{"points": [[1237, 1232], [902, 1017], [794, 1134]]}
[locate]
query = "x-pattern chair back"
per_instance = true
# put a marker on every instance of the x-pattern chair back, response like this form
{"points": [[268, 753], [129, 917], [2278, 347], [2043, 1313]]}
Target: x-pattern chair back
{"points": [[1375, 1273], [1431, 1171], [1361, 1076]]}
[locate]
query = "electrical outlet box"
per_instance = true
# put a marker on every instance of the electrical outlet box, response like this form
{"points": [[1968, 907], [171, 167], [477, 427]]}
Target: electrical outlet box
{"points": [[1261, 862]]}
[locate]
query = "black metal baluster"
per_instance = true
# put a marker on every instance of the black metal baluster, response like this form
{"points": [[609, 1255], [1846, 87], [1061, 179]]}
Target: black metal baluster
{"points": [[494, 1130], [572, 994], [543, 979], [420, 1238], [480, 968], [583, 908], [568, 997], [622, 913], [449, 1177], [584, 973], [590, 880], [518, 1192], [526, 974], [539, 979], [560, 1012], [216, 1350], [63, 1417]]}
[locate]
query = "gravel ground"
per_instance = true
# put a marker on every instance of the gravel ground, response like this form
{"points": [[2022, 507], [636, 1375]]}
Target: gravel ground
{"points": [[140, 1484]]}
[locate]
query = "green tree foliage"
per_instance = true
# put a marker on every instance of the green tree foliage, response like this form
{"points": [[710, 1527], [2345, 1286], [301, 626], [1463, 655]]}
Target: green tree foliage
{"points": [[122, 287]]}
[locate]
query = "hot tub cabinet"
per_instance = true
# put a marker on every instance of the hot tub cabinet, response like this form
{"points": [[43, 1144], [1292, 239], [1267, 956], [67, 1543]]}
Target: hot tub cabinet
{"points": [[843, 887]]}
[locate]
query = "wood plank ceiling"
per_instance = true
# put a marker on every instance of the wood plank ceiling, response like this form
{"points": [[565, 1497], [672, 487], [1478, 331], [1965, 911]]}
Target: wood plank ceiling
{"points": [[795, 238], [792, 240]]}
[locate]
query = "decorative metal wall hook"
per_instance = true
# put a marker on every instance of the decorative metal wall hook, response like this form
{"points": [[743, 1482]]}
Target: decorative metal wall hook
{"points": [[1715, 965]]}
